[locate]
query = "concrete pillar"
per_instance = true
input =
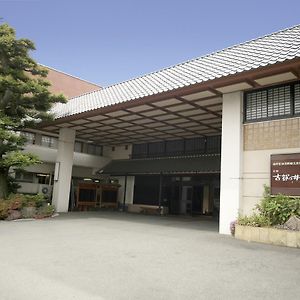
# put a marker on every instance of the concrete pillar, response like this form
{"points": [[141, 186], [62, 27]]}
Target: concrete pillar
{"points": [[129, 189], [63, 173], [231, 159]]}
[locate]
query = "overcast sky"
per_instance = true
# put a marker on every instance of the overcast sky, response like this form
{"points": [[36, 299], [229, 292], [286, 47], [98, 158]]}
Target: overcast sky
{"points": [[106, 42]]}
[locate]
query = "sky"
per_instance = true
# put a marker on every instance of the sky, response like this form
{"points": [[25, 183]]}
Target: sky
{"points": [[107, 42]]}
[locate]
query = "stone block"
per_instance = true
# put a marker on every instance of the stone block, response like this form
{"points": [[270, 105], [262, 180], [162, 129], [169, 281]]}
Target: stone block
{"points": [[291, 238], [264, 235], [277, 237]]}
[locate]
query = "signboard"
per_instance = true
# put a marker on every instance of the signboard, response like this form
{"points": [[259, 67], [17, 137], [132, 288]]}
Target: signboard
{"points": [[285, 174]]}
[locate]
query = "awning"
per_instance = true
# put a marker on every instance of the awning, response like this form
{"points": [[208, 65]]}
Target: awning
{"points": [[200, 164]]}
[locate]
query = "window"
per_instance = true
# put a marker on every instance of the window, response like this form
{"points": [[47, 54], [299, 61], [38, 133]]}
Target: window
{"points": [[78, 147], [23, 176], [195, 145], [43, 178], [175, 147], [94, 149], [30, 137], [139, 150], [213, 144], [156, 148], [198, 145], [272, 103], [49, 141]]}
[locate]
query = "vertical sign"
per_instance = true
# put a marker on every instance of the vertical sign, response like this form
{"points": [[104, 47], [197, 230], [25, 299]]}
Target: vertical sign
{"points": [[285, 174]]}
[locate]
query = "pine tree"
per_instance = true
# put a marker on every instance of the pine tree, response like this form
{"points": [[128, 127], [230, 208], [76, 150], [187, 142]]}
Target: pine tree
{"points": [[25, 101]]}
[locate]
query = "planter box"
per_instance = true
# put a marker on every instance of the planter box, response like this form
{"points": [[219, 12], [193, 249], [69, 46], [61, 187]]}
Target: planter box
{"points": [[268, 235]]}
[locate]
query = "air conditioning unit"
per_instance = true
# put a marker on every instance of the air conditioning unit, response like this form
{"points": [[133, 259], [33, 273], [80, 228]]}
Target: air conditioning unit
{"points": [[45, 190]]}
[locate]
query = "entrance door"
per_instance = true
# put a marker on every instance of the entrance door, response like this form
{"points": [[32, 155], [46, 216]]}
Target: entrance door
{"points": [[186, 200], [197, 206]]}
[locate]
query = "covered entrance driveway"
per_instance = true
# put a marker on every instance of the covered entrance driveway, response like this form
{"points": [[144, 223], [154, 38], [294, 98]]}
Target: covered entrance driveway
{"points": [[164, 110]]}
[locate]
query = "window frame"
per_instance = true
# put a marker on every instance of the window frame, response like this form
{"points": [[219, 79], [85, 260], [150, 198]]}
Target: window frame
{"points": [[292, 113]]}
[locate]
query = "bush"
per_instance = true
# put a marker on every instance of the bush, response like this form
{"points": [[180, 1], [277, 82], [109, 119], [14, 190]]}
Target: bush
{"points": [[4, 208], [45, 211], [278, 209], [254, 220], [272, 210], [30, 206], [34, 200]]}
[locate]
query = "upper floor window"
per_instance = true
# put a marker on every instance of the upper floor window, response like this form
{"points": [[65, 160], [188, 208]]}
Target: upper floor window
{"points": [[199, 145], [49, 141], [78, 147], [272, 103], [94, 149], [30, 137]]}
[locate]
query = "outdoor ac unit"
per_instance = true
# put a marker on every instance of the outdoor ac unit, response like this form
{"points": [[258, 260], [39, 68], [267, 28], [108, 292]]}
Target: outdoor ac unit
{"points": [[45, 190]]}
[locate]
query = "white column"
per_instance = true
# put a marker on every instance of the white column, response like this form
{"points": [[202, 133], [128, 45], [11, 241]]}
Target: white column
{"points": [[231, 159], [62, 178]]}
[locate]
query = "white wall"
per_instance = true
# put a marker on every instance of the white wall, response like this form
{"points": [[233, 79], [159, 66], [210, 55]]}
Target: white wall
{"points": [[80, 159]]}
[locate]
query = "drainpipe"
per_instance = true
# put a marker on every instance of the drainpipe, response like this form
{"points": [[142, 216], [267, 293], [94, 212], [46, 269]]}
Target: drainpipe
{"points": [[125, 188], [160, 191]]}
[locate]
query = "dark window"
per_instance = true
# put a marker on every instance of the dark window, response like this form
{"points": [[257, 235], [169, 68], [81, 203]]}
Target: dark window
{"points": [[213, 144], [175, 147], [195, 146], [272, 103], [139, 150], [156, 148], [297, 99], [199, 145], [43, 178], [94, 149]]}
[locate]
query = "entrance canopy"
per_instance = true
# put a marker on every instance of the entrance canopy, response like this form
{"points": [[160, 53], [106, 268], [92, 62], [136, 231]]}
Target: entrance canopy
{"points": [[181, 101], [202, 164]]}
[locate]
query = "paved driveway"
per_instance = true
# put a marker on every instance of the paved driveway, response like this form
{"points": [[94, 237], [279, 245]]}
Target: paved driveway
{"points": [[122, 256]]}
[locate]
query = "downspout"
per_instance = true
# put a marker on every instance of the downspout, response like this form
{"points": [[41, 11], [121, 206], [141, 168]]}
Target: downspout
{"points": [[125, 189]]}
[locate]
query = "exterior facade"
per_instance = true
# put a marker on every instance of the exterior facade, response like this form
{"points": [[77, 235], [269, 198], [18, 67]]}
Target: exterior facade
{"points": [[195, 138]]}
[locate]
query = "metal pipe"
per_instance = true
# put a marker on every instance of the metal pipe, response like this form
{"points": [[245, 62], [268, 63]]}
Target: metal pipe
{"points": [[125, 188]]}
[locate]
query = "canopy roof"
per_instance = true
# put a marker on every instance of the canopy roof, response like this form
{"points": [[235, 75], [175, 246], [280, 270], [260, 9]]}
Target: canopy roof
{"points": [[267, 50]]}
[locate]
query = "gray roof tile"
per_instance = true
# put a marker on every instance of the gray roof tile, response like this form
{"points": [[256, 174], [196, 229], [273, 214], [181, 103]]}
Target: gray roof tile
{"points": [[277, 47]]}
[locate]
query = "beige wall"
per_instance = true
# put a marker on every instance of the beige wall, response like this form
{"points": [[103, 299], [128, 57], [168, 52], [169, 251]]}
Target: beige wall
{"points": [[119, 152], [277, 134], [260, 141]]}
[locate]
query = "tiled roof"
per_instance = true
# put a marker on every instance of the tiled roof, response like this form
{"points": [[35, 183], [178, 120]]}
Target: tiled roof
{"points": [[267, 50]]}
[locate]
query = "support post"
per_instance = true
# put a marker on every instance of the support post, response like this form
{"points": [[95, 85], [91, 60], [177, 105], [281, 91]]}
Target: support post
{"points": [[125, 189], [160, 190], [63, 174], [231, 159]]}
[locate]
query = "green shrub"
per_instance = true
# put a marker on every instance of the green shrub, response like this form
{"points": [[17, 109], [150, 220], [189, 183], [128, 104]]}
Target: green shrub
{"points": [[254, 220], [278, 209], [4, 208], [34, 200], [45, 211], [28, 212], [27, 204]]}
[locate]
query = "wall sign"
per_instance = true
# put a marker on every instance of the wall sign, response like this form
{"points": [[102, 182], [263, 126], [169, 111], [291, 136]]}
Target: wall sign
{"points": [[285, 174]]}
